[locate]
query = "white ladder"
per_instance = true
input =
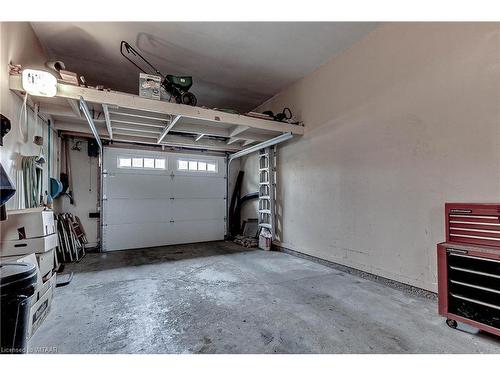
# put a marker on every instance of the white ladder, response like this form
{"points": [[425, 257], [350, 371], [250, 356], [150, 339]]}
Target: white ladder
{"points": [[267, 189]]}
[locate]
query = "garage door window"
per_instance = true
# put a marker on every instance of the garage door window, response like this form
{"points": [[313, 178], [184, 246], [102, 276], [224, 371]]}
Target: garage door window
{"points": [[137, 162], [124, 162], [141, 163], [196, 166], [149, 163]]}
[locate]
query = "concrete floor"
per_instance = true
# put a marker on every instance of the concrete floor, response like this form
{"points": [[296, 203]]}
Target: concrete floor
{"points": [[221, 298]]}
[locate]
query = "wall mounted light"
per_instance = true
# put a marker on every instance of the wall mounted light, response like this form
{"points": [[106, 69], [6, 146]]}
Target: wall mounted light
{"points": [[39, 83]]}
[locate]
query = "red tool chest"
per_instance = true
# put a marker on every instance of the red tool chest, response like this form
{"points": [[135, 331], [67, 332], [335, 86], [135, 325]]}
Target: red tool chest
{"points": [[469, 266]]}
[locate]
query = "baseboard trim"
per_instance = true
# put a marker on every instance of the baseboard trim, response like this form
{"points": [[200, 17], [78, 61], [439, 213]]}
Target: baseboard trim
{"points": [[410, 289]]}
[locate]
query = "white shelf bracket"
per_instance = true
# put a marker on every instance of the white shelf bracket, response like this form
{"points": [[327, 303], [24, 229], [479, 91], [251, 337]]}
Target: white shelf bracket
{"points": [[238, 130], [74, 107], [108, 120], [90, 120], [232, 140], [167, 128]]}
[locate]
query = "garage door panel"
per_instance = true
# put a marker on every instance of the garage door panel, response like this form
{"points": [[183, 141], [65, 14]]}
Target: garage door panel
{"points": [[134, 186], [122, 211], [182, 209], [147, 208], [197, 231], [161, 234], [152, 234], [198, 187]]}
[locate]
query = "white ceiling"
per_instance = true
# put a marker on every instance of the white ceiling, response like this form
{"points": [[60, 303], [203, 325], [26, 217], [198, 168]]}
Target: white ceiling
{"points": [[234, 65]]}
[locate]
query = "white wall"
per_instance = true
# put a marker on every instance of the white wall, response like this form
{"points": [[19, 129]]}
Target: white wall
{"points": [[85, 175], [402, 122], [250, 166], [19, 45]]}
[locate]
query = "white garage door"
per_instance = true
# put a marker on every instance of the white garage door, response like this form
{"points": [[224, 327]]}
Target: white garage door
{"points": [[157, 198]]}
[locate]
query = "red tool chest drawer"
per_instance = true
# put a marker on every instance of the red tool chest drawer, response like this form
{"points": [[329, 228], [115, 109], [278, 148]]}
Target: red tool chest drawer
{"points": [[469, 266], [473, 223], [469, 285]]}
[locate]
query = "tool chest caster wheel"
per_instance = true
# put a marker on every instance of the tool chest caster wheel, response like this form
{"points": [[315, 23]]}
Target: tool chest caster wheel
{"points": [[451, 323]]}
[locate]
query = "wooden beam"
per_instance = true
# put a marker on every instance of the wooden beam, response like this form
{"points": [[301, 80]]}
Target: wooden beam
{"points": [[119, 117], [138, 114], [147, 131], [134, 134], [204, 143], [75, 107], [57, 110]]}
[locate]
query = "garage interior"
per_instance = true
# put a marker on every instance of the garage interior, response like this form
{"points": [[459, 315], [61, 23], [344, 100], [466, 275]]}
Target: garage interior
{"points": [[290, 199]]}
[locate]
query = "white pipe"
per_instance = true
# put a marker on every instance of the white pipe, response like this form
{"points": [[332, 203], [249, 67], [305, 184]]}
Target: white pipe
{"points": [[86, 112], [270, 142]]}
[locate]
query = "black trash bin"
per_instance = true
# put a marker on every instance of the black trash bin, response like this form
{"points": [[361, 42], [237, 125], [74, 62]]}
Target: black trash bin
{"points": [[17, 286]]}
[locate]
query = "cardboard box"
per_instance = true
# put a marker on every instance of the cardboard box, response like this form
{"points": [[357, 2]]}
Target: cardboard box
{"points": [[27, 223], [46, 261], [43, 286], [265, 239], [41, 308], [149, 86], [69, 77], [29, 246]]}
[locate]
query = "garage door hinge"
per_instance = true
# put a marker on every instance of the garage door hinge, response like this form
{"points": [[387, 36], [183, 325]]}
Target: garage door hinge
{"points": [[172, 198], [172, 221]]}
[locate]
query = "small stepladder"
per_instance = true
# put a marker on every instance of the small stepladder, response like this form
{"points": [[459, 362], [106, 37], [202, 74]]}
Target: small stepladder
{"points": [[267, 189]]}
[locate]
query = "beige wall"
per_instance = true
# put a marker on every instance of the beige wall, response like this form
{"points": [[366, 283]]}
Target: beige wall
{"points": [[250, 166], [85, 175], [19, 45], [403, 121]]}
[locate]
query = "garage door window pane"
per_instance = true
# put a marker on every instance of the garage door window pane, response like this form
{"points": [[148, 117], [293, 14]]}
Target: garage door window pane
{"points": [[202, 166], [149, 163], [124, 162], [182, 165], [211, 167], [137, 162], [160, 163], [193, 165]]}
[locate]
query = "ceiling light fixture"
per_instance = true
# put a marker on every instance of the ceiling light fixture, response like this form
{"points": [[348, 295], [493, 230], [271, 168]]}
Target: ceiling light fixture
{"points": [[39, 83]]}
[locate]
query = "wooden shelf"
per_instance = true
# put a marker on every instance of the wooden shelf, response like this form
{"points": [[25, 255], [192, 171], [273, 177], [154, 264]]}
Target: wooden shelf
{"points": [[130, 118]]}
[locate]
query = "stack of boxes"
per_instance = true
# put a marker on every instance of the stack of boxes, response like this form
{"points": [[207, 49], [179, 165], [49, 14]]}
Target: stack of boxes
{"points": [[30, 236]]}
